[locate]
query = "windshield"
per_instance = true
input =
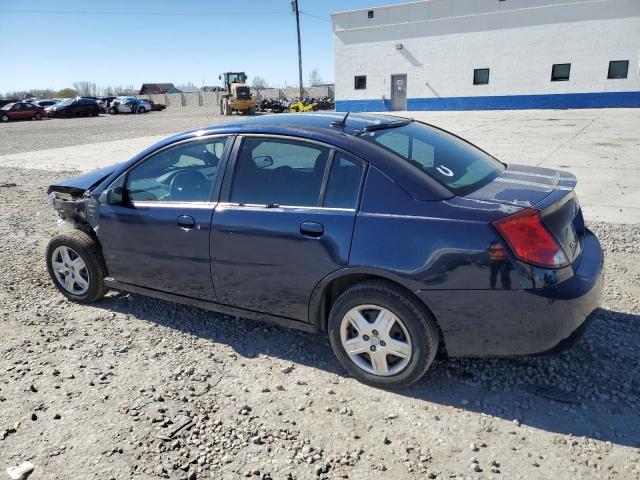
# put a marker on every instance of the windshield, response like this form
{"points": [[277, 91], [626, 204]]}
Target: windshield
{"points": [[7, 106], [65, 103], [458, 165]]}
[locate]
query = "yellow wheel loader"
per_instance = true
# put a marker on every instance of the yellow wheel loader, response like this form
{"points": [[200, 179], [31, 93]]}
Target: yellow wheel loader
{"points": [[237, 96]]}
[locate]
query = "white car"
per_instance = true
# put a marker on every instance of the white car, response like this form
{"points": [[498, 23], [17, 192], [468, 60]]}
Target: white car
{"points": [[129, 105]]}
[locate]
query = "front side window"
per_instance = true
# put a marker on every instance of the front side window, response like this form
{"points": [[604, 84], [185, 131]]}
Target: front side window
{"points": [[360, 82], [458, 165], [272, 171], [618, 69], [481, 76], [560, 72], [344, 182], [184, 173]]}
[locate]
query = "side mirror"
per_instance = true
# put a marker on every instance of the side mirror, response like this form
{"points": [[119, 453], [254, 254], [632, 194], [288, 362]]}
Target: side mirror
{"points": [[112, 196], [263, 161]]}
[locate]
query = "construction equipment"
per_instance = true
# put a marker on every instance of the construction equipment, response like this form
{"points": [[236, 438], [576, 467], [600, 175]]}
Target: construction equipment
{"points": [[237, 96]]}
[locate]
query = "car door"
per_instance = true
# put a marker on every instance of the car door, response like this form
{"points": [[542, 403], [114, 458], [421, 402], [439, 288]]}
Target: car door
{"points": [[157, 235], [29, 110], [18, 111], [279, 231]]}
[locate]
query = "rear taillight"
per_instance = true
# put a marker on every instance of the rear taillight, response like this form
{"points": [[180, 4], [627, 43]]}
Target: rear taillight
{"points": [[529, 239]]}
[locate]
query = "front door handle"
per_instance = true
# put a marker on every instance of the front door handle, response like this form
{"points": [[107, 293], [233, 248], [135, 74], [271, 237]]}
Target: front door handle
{"points": [[312, 229], [186, 221]]}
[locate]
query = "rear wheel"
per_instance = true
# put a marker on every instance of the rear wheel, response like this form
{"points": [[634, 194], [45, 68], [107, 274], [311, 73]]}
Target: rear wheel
{"points": [[75, 264], [38, 116], [381, 335], [142, 110]]}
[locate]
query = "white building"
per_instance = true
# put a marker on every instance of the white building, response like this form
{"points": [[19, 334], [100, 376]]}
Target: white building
{"points": [[488, 54]]}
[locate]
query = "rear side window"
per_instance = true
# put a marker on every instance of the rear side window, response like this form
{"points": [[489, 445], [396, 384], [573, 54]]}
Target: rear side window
{"points": [[344, 182], [456, 164], [279, 172]]}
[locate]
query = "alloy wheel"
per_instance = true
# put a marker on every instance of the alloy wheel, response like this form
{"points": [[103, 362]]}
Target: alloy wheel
{"points": [[70, 270], [376, 340]]}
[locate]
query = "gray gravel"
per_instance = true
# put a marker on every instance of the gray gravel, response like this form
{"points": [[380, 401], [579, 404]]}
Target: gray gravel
{"points": [[17, 137], [133, 387]]}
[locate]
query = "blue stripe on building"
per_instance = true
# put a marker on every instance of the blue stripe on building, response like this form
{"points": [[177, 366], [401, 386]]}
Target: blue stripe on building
{"points": [[502, 102]]}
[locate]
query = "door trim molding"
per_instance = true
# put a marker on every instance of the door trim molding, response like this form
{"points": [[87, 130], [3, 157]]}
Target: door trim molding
{"points": [[211, 306]]}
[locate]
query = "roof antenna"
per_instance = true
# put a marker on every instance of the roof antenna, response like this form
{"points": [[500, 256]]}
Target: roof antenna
{"points": [[342, 123]]}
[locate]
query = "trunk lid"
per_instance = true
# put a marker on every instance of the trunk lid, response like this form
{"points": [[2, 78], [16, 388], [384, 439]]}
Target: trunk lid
{"points": [[549, 191]]}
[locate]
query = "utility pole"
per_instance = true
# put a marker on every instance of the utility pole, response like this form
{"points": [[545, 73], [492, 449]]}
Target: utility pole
{"points": [[294, 7]]}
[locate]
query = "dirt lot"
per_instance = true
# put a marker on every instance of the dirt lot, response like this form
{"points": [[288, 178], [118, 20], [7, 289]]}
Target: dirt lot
{"points": [[100, 392], [63, 132]]}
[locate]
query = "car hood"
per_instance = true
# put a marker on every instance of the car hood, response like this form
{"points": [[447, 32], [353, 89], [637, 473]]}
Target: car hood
{"points": [[78, 185], [524, 186]]}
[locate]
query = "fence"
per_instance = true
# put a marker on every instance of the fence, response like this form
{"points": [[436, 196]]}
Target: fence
{"points": [[212, 99]]}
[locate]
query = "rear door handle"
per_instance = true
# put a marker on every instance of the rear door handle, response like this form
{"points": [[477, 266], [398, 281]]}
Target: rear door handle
{"points": [[186, 221], [312, 229]]}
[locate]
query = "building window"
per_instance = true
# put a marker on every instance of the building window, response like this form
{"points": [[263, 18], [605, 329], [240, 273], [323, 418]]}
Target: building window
{"points": [[560, 72], [360, 82], [618, 69], [370, 14], [481, 76]]}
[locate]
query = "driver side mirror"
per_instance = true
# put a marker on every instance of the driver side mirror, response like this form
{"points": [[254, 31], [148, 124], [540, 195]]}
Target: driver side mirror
{"points": [[112, 196], [263, 161]]}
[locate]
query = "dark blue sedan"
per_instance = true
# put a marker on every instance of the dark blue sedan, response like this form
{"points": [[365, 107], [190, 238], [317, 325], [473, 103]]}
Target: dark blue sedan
{"points": [[395, 237]]}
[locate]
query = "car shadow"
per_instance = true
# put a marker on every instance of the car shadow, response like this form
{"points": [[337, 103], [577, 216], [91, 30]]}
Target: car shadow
{"points": [[592, 390]]}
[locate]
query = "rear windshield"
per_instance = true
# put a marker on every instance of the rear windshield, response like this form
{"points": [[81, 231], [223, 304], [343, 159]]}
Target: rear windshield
{"points": [[456, 164]]}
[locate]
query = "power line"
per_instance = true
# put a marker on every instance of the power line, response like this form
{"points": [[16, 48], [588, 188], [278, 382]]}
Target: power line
{"points": [[314, 16], [165, 14]]}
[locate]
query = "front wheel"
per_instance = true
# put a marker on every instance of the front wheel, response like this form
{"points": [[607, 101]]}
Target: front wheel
{"points": [[38, 116], [75, 264], [381, 335], [4, 118], [142, 110]]}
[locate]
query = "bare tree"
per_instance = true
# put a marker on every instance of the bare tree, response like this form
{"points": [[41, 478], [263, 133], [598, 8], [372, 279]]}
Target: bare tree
{"points": [[259, 82], [314, 77], [85, 88]]}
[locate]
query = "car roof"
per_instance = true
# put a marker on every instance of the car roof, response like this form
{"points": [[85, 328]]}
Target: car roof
{"points": [[321, 121]]}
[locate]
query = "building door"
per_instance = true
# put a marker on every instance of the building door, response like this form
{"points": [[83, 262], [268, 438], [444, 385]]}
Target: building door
{"points": [[399, 92]]}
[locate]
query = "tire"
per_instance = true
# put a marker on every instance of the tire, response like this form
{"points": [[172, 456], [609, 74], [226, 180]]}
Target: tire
{"points": [[142, 110], [4, 118], [413, 332], [38, 116], [251, 111], [113, 110], [227, 107], [221, 107], [91, 270]]}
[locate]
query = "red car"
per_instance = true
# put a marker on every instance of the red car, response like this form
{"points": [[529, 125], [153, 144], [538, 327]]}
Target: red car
{"points": [[21, 111]]}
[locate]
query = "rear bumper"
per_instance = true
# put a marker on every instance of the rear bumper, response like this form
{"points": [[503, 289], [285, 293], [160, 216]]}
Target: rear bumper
{"points": [[521, 322]]}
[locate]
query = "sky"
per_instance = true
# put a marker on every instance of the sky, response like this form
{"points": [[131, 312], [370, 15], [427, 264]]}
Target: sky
{"points": [[52, 44]]}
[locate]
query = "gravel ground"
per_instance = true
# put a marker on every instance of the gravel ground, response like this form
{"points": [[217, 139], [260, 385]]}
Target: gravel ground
{"points": [[63, 132], [132, 387]]}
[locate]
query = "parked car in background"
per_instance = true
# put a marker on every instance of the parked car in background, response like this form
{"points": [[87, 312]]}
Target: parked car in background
{"points": [[75, 107], [392, 236], [5, 101], [156, 107], [104, 103], [21, 111], [47, 103], [129, 105]]}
